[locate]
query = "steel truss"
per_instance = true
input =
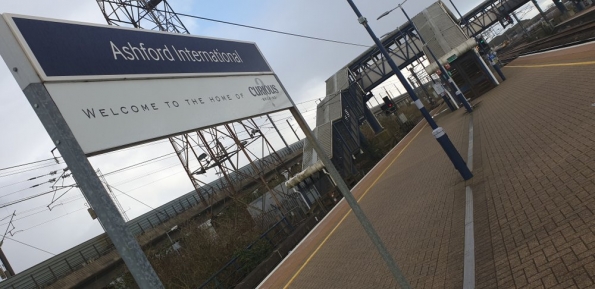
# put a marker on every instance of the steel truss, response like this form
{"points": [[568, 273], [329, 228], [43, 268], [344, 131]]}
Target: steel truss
{"points": [[364, 74], [487, 14], [371, 69]]}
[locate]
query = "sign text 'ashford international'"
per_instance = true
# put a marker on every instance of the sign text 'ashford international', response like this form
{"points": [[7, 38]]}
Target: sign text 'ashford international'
{"points": [[66, 49], [117, 87]]}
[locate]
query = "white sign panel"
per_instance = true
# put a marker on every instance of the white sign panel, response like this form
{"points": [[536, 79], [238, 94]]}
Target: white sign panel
{"points": [[117, 87], [110, 114], [438, 88], [62, 50]]}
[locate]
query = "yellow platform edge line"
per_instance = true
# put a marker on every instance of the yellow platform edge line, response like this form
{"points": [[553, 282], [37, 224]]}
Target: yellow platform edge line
{"points": [[345, 216], [552, 65]]}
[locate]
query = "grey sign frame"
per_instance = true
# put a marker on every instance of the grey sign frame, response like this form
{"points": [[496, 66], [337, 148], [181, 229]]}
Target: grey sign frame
{"points": [[94, 191], [82, 171]]}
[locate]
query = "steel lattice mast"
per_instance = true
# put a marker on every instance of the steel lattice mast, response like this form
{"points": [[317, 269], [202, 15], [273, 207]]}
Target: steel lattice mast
{"points": [[200, 150], [152, 15]]}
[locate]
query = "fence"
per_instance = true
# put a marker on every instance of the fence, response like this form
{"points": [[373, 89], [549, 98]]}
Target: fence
{"points": [[244, 262], [69, 261]]}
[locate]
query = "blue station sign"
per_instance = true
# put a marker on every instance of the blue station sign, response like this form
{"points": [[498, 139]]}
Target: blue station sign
{"points": [[63, 50]]}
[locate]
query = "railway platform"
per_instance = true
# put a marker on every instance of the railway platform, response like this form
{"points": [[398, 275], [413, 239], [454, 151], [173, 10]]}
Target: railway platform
{"points": [[526, 219]]}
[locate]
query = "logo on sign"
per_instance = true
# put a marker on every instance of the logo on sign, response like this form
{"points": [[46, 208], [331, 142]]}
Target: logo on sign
{"points": [[262, 89]]}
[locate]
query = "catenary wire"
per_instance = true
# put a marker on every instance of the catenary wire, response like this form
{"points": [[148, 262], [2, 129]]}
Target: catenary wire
{"points": [[26, 164], [42, 250], [257, 28]]}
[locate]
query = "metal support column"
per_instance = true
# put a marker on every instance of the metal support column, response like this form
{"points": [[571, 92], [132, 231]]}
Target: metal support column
{"points": [[470, 30], [219, 164], [278, 132], [3, 258], [486, 69], [260, 175], [543, 14], [428, 97], [438, 132], [292, 129], [454, 86], [520, 24], [372, 121], [6, 264]]}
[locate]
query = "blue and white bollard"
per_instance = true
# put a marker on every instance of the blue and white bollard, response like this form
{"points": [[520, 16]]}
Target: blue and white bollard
{"points": [[492, 59], [452, 153]]}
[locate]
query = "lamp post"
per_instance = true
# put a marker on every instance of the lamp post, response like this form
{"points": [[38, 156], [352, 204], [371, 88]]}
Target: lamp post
{"points": [[438, 132], [462, 21], [453, 85], [456, 9], [452, 105]]}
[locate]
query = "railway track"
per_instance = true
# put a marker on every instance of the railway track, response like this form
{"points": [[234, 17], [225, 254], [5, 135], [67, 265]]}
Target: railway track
{"points": [[571, 36]]}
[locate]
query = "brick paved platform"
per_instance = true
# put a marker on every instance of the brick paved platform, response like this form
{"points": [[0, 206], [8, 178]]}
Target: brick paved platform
{"points": [[534, 166], [535, 175]]}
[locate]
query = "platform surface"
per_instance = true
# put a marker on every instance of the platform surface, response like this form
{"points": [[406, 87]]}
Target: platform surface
{"points": [[534, 194]]}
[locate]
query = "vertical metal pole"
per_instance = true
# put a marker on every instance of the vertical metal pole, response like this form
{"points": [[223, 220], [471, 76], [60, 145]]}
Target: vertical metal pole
{"points": [[438, 132], [222, 148], [542, 14], [278, 132], [292, 129], [454, 86], [485, 68], [357, 211], [260, 175], [421, 85], [470, 30], [520, 24], [374, 97], [6, 264], [452, 105], [3, 258], [91, 187], [456, 9], [272, 150], [216, 160], [398, 90], [496, 67], [390, 95]]}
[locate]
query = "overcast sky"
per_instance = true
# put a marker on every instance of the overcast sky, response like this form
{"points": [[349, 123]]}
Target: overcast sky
{"points": [[302, 65]]}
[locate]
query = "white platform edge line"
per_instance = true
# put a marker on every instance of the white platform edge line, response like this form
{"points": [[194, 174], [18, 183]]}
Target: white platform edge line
{"points": [[558, 49], [469, 257], [469, 254]]}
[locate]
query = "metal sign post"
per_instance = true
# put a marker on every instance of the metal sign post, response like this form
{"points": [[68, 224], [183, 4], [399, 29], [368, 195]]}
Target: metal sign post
{"points": [[91, 187], [344, 189], [170, 78], [124, 87], [75, 158]]}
